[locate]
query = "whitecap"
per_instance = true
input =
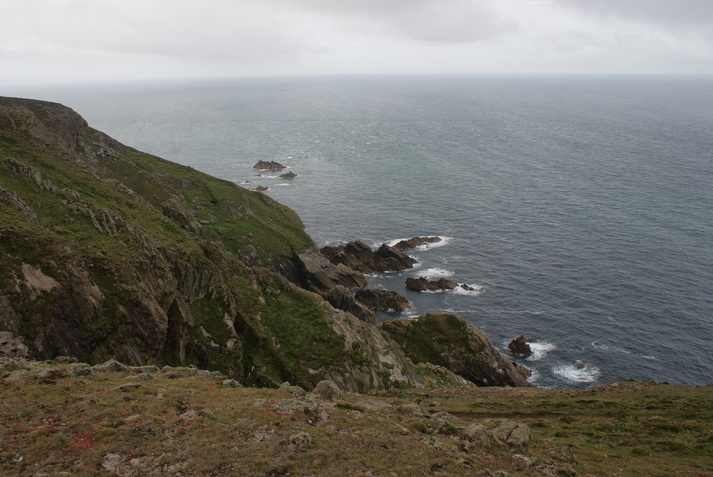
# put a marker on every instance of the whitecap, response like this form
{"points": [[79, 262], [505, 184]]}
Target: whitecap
{"points": [[578, 372], [651, 358], [539, 350]]}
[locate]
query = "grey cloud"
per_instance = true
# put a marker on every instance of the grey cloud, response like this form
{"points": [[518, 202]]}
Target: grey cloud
{"points": [[671, 13], [448, 21]]}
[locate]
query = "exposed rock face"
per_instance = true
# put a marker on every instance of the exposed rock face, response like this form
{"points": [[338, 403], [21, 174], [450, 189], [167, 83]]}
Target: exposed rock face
{"points": [[359, 256], [421, 284], [520, 345], [382, 300], [172, 267], [448, 340], [416, 242], [287, 175], [11, 346], [320, 275], [268, 166], [340, 297]]}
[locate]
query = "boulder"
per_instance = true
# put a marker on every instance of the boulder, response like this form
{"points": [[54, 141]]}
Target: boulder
{"points": [[359, 256], [416, 242], [520, 345], [382, 300], [448, 340], [11, 346], [499, 433], [268, 166], [287, 175], [421, 284]]}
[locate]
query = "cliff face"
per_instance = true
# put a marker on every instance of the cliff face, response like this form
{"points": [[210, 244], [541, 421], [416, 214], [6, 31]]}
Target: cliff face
{"points": [[109, 252]]}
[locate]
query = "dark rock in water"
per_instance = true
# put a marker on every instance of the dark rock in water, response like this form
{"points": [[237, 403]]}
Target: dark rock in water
{"points": [[467, 287], [260, 188], [415, 242], [421, 284], [382, 300], [287, 175], [361, 257], [521, 346], [268, 166], [448, 340]]}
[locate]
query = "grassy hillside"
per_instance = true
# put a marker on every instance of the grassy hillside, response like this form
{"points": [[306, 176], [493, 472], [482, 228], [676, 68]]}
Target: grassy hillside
{"points": [[176, 421]]}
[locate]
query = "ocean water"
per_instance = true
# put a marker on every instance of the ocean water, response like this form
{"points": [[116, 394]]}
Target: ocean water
{"points": [[579, 208]]}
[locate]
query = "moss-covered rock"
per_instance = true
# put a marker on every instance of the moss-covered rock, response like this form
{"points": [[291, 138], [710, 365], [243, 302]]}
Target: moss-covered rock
{"points": [[448, 340]]}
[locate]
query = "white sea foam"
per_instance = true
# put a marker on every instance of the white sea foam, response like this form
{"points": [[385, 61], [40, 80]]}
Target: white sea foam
{"points": [[651, 358], [427, 246], [577, 373], [476, 290], [534, 376], [539, 350], [432, 273]]}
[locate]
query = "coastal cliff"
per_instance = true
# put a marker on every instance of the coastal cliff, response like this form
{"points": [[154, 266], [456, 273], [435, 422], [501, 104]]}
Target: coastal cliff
{"points": [[109, 252]]}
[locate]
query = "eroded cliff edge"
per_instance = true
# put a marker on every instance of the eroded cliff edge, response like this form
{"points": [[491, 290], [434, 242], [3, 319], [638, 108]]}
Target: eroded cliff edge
{"points": [[108, 252]]}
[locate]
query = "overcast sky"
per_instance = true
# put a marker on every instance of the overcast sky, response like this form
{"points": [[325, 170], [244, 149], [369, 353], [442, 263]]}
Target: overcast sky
{"points": [[86, 40]]}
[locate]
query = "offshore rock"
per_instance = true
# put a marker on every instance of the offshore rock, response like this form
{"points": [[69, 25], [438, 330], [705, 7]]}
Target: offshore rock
{"points": [[382, 300], [268, 166], [416, 242], [422, 284], [359, 256], [521, 346], [448, 340], [287, 175]]}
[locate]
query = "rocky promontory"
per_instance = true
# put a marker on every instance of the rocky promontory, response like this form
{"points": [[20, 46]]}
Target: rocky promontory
{"points": [[359, 256]]}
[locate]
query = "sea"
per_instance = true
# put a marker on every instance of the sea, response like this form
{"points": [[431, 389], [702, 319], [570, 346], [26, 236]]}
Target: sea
{"points": [[579, 209]]}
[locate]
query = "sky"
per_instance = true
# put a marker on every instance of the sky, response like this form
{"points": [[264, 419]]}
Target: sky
{"points": [[60, 41]]}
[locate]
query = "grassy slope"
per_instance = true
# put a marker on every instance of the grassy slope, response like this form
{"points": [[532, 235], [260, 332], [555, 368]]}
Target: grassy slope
{"points": [[190, 422]]}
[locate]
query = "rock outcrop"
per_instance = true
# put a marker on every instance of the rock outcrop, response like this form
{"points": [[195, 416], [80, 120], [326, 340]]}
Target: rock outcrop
{"points": [[422, 284], [287, 175], [382, 300], [268, 166], [416, 242], [521, 345], [449, 341], [359, 256]]}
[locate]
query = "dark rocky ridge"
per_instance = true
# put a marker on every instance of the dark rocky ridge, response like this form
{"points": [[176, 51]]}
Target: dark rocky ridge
{"points": [[112, 253], [359, 256]]}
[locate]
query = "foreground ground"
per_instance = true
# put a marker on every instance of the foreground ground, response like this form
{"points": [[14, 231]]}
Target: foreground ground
{"points": [[73, 419]]}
